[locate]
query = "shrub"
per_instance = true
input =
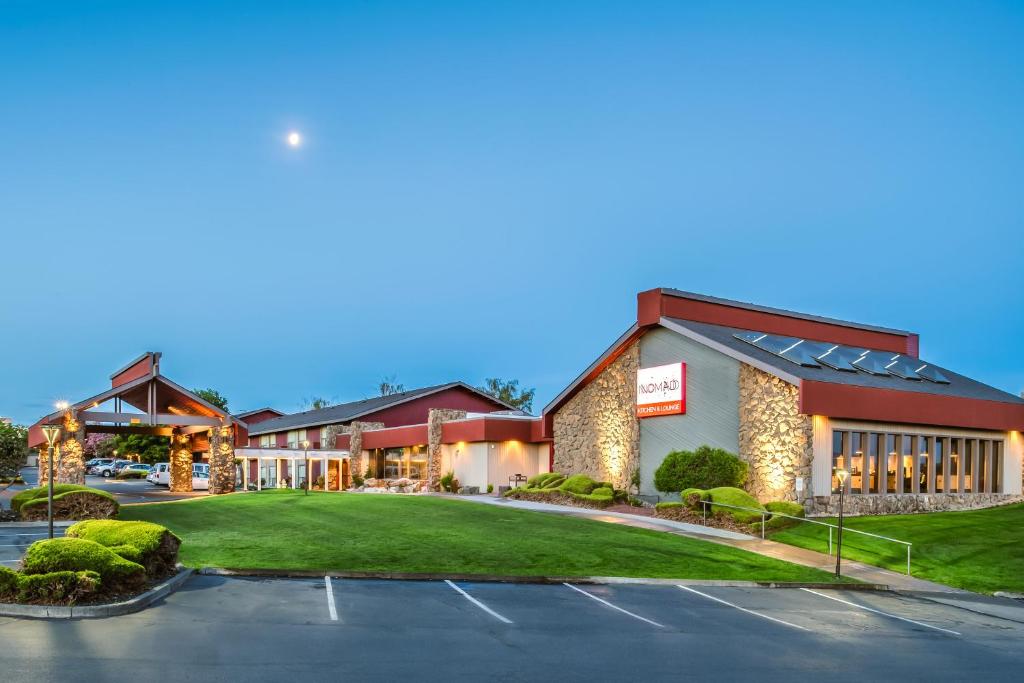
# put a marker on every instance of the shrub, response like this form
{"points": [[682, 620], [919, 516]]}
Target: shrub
{"points": [[131, 474], [148, 544], [23, 497], [490, 488], [728, 495], [667, 506], [693, 497], [79, 503], [552, 483], [447, 480], [78, 554], [786, 507], [578, 483], [8, 583], [357, 481], [62, 588], [704, 468], [603, 491]]}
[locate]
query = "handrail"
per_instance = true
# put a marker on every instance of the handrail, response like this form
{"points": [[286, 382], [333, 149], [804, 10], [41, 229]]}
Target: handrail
{"points": [[764, 513]]}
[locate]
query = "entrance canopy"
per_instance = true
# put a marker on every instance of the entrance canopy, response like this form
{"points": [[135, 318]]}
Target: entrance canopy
{"points": [[143, 401]]}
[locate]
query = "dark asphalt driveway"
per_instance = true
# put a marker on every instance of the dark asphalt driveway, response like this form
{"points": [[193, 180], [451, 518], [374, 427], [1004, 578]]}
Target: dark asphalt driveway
{"points": [[219, 628]]}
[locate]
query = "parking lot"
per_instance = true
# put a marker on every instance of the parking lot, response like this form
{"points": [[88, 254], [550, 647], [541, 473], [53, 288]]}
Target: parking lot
{"points": [[218, 628], [15, 539], [125, 490]]}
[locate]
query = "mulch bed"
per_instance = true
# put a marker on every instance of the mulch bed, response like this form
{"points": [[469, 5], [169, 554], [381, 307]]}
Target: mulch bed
{"points": [[684, 514]]}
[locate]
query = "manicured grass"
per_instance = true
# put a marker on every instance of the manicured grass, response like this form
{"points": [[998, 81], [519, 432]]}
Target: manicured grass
{"points": [[351, 532], [979, 550]]}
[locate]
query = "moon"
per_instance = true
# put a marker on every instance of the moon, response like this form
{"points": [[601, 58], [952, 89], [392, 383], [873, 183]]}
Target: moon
{"points": [[294, 139]]}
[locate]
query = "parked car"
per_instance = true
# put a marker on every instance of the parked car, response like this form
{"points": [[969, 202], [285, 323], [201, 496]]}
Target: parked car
{"points": [[160, 475], [136, 470], [121, 464], [103, 467]]}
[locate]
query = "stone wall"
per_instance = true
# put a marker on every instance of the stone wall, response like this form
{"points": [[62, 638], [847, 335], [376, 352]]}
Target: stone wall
{"points": [[905, 503], [776, 440], [222, 460], [69, 468], [597, 432], [435, 419]]}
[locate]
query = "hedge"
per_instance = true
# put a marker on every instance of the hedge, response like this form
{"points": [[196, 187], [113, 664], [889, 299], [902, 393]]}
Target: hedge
{"points": [[78, 554], [60, 588], [23, 497], [728, 495], [78, 503], [704, 468], [578, 483], [148, 544]]}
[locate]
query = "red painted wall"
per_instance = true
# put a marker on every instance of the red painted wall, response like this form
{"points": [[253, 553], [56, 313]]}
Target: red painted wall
{"points": [[413, 435], [653, 304], [260, 416], [887, 405], [133, 372]]}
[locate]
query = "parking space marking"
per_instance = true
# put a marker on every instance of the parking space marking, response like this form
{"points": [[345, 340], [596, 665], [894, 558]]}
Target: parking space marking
{"points": [[884, 614], [615, 607], [478, 603], [10, 561], [744, 609], [330, 599]]}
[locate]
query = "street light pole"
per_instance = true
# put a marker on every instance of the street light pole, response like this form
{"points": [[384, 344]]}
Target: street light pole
{"points": [[842, 475], [305, 450], [51, 432]]}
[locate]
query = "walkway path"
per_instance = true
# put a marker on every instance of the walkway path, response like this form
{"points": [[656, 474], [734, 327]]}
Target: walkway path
{"points": [[780, 551]]}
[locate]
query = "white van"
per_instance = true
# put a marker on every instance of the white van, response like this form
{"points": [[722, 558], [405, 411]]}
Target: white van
{"points": [[161, 475]]}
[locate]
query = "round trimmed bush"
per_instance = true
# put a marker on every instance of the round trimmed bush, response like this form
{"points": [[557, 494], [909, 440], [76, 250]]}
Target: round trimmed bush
{"points": [[148, 544], [78, 554], [693, 497], [8, 584], [728, 495], [82, 503], [27, 495], [704, 468], [578, 483]]}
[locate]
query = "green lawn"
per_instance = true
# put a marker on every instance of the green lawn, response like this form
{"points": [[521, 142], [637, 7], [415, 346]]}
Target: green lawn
{"points": [[979, 550], [347, 532]]}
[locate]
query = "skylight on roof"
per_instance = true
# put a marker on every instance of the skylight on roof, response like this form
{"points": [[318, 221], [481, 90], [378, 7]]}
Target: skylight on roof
{"points": [[812, 354]]}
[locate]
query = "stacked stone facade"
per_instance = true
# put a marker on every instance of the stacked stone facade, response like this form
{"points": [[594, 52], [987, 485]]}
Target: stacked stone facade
{"points": [[180, 458], [69, 467], [357, 464], [222, 460], [435, 419], [776, 440], [597, 432], [905, 503]]}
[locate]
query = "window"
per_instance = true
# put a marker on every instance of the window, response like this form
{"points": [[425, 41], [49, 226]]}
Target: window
{"points": [[268, 441], [880, 462], [296, 437]]}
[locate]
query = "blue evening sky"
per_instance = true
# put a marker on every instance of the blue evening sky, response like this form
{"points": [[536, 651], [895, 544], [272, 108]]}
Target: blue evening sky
{"points": [[484, 187]]}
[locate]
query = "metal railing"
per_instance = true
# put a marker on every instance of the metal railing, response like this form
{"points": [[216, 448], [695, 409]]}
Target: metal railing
{"points": [[768, 513]]}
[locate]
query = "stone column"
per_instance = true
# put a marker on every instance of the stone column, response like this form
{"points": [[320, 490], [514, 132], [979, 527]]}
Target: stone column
{"points": [[222, 460], [69, 468], [44, 464], [181, 463], [355, 444], [435, 418]]}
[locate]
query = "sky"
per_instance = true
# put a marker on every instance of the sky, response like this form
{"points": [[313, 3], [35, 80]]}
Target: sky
{"points": [[483, 188]]}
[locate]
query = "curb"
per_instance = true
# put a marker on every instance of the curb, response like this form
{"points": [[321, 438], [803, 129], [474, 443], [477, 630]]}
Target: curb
{"points": [[136, 604], [498, 578]]}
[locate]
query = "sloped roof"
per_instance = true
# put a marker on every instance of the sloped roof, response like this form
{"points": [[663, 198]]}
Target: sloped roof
{"points": [[723, 337], [346, 412]]}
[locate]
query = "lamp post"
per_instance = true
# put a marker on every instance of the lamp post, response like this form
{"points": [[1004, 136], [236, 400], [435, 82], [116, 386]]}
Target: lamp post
{"points": [[842, 475], [51, 432], [305, 450]]}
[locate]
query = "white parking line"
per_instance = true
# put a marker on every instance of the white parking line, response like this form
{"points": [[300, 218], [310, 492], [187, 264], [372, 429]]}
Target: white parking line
{"points": [[884, 614], [744, 609], [330, 599], [10, 561], [615, 607], [478, 603]]}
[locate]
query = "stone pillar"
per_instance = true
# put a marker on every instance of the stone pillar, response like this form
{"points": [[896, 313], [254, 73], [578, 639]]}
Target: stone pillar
{"points": [[69, 468], [181, 463], [435, 418], [355, 444], [222, 460], [329, 436], [44, 464], [776, 440]]}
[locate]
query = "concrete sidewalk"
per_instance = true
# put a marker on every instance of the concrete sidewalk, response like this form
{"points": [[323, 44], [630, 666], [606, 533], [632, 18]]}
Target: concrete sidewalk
{"points": [[779, 551]]}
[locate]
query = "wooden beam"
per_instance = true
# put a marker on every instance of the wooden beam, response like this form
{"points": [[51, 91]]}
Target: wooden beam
{"points": [[159, 419], [125, 429]]}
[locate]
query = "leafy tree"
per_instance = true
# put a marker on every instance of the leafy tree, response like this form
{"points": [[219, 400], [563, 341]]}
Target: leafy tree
{"points": [[95, 444], [508, 391], [150, 449], [389, 386], [212, 396], [315, 403], [704, 468], [13, 450]]}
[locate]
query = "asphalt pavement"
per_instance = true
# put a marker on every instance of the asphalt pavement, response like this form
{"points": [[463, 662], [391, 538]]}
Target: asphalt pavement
{"points": [[219, 628]]}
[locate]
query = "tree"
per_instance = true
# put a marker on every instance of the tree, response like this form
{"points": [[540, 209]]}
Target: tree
{"points": [[149, 449], [13, 451], [508, 391], [96, 445], [213, 397], [389, 386], [315, 403]]}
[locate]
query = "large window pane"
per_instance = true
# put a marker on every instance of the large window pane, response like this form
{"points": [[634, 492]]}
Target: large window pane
{"points": [[838, 461], [892, 467], [907, 455], [937, 459], [856, 463], [871, 455]]}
